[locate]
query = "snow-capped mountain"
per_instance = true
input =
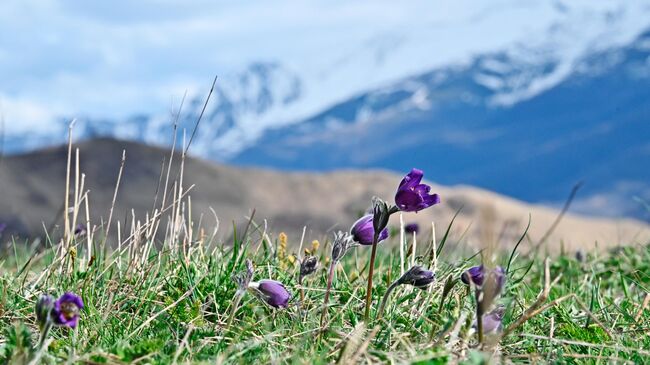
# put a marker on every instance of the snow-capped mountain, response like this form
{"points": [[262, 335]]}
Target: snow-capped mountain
{"points": [[481, 124], [383, 84]]}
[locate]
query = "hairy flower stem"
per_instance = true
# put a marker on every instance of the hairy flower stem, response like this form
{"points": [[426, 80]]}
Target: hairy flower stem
{"points": [[479, 318], [330, 277], [302, 291], [235, 305], [366, 316], [479, 329], [385, 299], [44, 333]]}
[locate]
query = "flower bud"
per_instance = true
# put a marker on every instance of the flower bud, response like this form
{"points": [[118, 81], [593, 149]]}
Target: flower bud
{"points": [[380, 214], [243, 278], [418, 277], [580, 256], [308, 266], [342, 243], [44, 306], [412, 228], [80, 230]]}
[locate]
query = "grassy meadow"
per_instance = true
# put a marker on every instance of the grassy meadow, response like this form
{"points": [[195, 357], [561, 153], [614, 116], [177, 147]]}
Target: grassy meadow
{"points": [[173, 300]]}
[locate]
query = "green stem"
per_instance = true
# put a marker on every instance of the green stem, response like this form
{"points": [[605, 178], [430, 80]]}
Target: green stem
{"points": [[385, 299], [302, 291], [235, 305], [44, 333], [330, 277], [366, 316], [479, 318]]}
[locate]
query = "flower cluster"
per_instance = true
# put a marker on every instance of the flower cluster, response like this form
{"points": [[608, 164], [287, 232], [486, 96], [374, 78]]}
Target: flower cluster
{"points": [[369, 230], [62, 312], [488, 285]]}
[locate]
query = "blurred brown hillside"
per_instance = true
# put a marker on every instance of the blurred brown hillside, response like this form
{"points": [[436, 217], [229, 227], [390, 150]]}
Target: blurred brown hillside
{"points": [[32, 187]]}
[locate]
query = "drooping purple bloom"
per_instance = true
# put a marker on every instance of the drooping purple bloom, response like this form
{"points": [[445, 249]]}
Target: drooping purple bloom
{"points": [[272, 293], [3, 226], [363, 231], [477, 275], [474, 275], [412, 228], [417, 276], [493, 321], [66, 310], [412, 196]]}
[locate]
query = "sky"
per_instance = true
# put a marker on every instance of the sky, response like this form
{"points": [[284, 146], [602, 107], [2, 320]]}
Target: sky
{"points": [[62, 58]]}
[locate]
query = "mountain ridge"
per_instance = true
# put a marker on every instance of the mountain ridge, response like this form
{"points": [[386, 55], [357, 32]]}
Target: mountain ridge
{"points": [[33, 185]]}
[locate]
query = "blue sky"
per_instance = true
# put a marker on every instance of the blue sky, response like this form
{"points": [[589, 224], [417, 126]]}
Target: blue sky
{"points": [[113, 59]]}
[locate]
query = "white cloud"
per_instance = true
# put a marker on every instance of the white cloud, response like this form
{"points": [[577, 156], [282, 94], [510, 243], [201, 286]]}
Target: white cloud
{"points": [[21, 116], [113, 59]]}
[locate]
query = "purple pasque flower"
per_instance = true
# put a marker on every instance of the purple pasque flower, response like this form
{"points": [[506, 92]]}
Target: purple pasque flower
{"points": [[412, 228], [412, 196], [363, 231], [66, 310], [476, 275], [417, 276], [271, 292], [493, 321]]}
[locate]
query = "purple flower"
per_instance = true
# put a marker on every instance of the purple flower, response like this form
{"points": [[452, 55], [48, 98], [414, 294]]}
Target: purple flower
{"points": [[493, 321], [412, 196], [418, 277], [363, 231], [476, 275], [272, 293], [66, 310], [412, 228]]}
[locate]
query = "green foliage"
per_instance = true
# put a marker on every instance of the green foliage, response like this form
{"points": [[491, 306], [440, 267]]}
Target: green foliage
{"points": [[174, 304]]}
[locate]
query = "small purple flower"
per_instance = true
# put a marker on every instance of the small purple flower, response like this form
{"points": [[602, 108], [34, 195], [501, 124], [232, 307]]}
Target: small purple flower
{"points": [[3, 226], [272, 293], [66, 310], [80, 230], [476, 275], [412, 196], [412, 228], [363, 231]]}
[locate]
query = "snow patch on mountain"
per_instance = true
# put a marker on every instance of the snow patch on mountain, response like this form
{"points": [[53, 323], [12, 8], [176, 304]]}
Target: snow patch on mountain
{"points": [[288, 67]]}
